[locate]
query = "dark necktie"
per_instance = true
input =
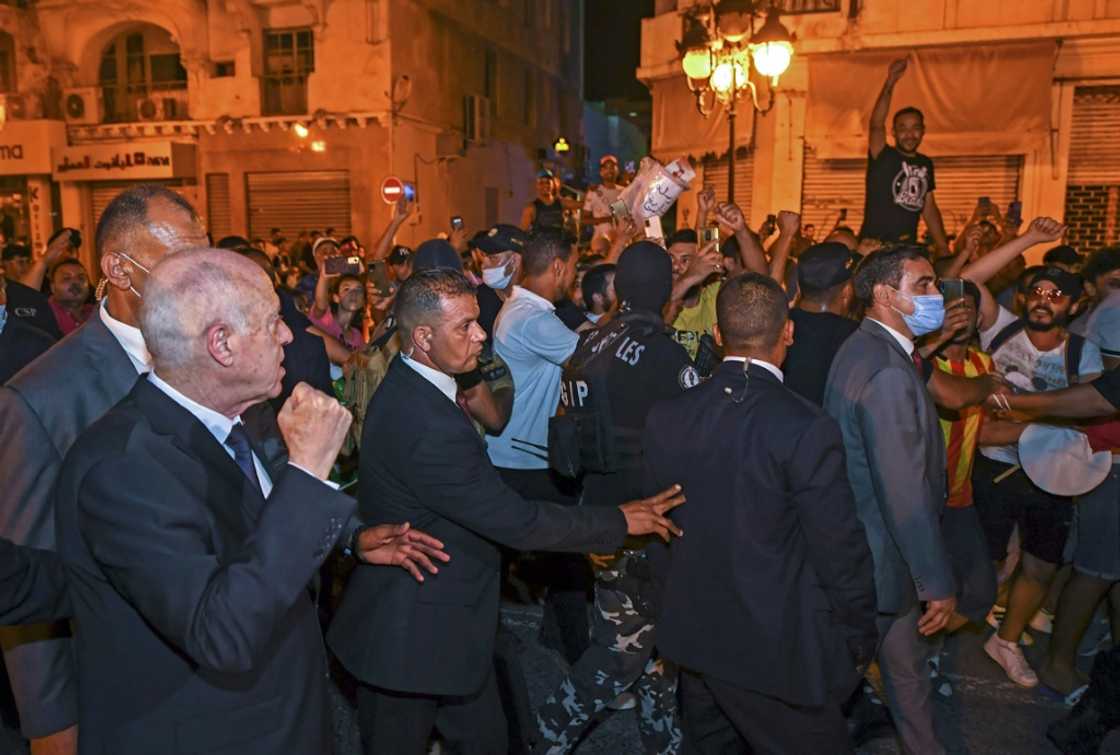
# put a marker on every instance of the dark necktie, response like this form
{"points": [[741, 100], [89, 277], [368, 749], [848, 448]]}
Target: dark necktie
{"points": [[238, 440], [917, 361]]}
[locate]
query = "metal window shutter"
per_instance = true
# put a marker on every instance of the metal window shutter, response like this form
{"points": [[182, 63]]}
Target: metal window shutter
{"points": [[1094, 153], [831, 185], [715, 175], [218, 219], [961, 181], [103, 192], [298, 201]]}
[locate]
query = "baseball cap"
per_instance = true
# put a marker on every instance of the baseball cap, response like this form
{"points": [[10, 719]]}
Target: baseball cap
{"points": [[608, 159], [436, 253], [399, 255], [502, 238], [322, 240], [1063, 255], [822, 266], [1069, 283], [11, 251]]}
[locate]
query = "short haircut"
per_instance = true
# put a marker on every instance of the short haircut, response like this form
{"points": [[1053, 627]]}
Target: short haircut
{"points": [[884, 267], [189, 292], [909, 111], [129, 211], [595, 281], [541, 249], [257, 255], [1102, 262], [420, 298], [683, 236], [63, 263], [236, 243], [751, 310]]}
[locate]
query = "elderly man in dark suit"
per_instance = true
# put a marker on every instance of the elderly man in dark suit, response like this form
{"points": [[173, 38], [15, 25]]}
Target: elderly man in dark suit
{"points": [[425, 652], [189, 539], [769, 602], [45, 407], [896, 463]]}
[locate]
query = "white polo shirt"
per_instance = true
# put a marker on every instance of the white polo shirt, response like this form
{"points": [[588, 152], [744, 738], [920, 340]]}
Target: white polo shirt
{"points": [[534, 344]]}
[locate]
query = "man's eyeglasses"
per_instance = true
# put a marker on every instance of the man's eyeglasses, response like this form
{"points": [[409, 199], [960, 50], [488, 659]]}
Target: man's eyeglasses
{"points": [[1049, 294]]}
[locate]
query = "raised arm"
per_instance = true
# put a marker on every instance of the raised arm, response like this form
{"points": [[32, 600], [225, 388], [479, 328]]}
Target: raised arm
{"points": [[705, 203], [931, 213], [877, 139], [750, 251], [789, 225], [401, 212], [55, 251], [1041, 230]]}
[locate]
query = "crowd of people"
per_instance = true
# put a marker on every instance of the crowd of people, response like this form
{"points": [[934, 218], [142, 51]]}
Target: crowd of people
{"points": [[737, 473]]}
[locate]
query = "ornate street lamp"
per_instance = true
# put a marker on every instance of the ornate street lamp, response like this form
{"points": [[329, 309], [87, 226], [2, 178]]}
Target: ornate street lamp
{"points": [[718, 45]]}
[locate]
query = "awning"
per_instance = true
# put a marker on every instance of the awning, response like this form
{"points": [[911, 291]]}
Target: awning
{"points": [[977, 100], [679, 130]]}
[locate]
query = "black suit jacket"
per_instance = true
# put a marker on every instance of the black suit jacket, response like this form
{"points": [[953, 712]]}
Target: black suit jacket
{"points": [[195, 631], [32, 585], [20, 344], [771, 587], [423, 462], [32, 307], [305, 358]]}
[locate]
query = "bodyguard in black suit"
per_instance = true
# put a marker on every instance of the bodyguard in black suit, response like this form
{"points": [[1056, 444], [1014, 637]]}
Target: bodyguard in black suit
{"points": [[425, 652], [769, 601], [190, 540]]}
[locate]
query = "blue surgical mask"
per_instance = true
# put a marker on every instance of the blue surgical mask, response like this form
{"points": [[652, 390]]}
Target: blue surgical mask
{"points": [[928, 315], [498, 278]]}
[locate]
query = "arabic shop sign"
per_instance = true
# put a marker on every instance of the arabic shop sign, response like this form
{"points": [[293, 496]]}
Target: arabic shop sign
{"points": [[125, 162]]}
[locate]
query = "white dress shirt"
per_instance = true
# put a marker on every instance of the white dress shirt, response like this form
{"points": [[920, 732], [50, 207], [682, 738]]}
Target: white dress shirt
{"points": [[773, 370], [130, 339], [906, 344], [444, 382]]}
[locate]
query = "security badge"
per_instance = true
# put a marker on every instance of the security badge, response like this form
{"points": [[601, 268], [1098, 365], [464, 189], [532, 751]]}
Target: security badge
{"points": [[689, 377]]}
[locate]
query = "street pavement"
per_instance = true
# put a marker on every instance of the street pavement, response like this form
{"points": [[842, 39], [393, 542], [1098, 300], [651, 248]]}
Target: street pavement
{"points": [[985, 715]]}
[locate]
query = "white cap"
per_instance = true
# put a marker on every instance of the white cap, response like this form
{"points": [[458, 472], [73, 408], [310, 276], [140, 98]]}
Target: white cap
{"points": [[1060, 461]]}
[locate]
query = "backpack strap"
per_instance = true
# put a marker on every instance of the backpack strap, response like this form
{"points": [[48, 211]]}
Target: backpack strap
{"points": [[1006, 335], [1074, 347]]}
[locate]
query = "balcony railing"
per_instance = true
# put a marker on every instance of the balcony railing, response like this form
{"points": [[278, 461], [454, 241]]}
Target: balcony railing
{"points": [[155, 102], [808, 6]]}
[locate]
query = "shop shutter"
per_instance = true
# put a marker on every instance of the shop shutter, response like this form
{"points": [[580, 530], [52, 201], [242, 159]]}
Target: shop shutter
{"points": [[103, 192], [715, 175], [298, 201], [831, 186], [218, 220], [1094, 153]]}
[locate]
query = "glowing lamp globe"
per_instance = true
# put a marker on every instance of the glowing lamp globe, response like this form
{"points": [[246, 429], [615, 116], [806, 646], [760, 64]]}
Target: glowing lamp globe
{"points": [[772, 59], [728, 75], [697, 63]]}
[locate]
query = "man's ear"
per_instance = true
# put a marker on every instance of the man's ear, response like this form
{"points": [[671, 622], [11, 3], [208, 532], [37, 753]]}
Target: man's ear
{"points": [[717, 336], [116, 269], [787, 333], [422, 337], [217, 344]]}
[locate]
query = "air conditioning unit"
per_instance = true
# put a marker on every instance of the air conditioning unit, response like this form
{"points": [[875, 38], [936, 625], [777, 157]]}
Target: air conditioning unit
{"points": [[83, 105], [476, 118], [14, 107]]}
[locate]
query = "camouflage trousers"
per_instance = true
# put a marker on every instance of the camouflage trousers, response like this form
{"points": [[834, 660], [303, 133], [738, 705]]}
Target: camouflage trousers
{"points": [[621, 658]]}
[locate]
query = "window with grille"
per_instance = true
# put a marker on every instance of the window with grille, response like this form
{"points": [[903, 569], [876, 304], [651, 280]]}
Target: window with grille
{"points": [[289, 57]]}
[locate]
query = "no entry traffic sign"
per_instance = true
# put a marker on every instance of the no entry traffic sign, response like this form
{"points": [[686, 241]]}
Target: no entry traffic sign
{"points": [[394, 189]]}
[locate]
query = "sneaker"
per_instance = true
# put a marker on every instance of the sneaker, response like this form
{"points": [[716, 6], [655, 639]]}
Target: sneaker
{"points": [[995, 618], [1043, 621], [1010, 657]]}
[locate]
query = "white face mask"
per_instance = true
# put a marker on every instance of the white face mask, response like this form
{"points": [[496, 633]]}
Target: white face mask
{"points": [[498, 278]]}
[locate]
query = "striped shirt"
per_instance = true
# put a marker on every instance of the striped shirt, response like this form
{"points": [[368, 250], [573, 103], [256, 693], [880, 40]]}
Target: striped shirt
{"points": [[962, 428]]}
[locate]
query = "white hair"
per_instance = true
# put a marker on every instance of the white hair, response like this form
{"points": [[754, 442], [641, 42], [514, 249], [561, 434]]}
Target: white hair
{"points": [[189, 292]]}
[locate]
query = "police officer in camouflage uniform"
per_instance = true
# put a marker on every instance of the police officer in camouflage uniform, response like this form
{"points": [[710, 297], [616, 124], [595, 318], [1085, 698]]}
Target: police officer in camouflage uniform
{"points": [[612, 381]]}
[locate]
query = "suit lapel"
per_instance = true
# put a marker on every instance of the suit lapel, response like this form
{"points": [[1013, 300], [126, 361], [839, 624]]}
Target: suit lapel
{"points": [[416, 385], [878, 331]]}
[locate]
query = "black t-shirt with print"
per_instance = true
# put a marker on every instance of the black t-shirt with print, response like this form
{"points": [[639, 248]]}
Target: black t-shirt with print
{"points": [[896, 187]]}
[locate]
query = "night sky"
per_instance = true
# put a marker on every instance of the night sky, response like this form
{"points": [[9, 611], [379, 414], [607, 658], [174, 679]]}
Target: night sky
{"points": [[612, 42]]}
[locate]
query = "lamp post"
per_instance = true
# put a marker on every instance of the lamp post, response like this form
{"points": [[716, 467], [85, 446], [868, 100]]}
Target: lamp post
{"points": [[717, 47]]}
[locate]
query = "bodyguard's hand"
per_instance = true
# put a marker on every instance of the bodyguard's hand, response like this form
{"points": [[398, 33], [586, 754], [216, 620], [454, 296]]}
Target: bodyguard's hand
{"points": [[936, 617], [647, 516], [314, 427], [400, 545]]}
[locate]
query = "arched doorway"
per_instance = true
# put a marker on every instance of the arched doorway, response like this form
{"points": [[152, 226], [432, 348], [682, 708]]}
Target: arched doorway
{"points": [[142, 77]]}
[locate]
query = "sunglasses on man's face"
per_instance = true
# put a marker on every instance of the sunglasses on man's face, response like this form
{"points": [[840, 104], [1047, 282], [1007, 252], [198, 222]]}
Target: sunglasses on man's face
{"points": [[1049, 294]]}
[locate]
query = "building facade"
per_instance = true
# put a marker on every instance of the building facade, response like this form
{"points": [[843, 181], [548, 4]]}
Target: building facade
{"points": [[282, 113], [1022, 101]]}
